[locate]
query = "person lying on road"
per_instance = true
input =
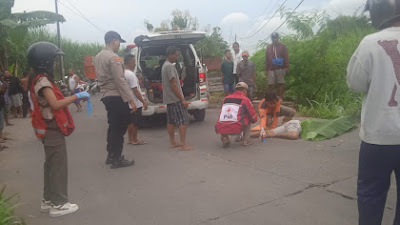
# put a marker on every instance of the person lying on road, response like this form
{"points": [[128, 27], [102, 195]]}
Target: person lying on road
{"points": [[272, 115]]}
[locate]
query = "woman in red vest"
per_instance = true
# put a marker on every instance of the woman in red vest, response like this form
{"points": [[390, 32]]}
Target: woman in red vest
{"points": [[51, 121]]}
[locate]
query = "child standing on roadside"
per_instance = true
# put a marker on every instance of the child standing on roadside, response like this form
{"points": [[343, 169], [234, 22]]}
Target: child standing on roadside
{"points": [[51, 121]]}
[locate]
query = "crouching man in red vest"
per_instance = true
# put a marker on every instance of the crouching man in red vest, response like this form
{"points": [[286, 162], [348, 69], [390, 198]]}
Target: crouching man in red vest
{"points": [[51, 121], [236, 116]]}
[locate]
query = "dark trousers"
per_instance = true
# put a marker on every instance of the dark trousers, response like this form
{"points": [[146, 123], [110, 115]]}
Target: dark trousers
{"points": [[118, 117], [236, 79], [25, 104], [376, 164]]}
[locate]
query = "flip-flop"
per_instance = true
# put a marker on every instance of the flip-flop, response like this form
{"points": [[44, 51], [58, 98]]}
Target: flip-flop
{"points": [[139, 143], [247, 144]]}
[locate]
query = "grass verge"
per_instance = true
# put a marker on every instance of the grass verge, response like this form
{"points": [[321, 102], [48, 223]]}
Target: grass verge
{"points": [[7, 207]]}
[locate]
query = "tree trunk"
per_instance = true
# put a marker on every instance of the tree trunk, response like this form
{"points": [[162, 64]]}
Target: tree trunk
{"points": [[5, 63]]}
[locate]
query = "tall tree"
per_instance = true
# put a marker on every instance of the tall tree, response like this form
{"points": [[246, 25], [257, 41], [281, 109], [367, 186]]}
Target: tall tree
{"points": [[181, 20], [213, 45], [14, 27]]}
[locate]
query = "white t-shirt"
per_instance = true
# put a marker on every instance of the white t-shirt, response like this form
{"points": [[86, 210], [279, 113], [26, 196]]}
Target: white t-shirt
{"points": [[237, 58], [133, 82], [72, 82], [373, 70]]}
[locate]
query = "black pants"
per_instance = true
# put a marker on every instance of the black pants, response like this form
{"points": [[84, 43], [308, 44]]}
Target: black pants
{"points": [[236, 79], [25, 104], [118, 117], [376, 165]]}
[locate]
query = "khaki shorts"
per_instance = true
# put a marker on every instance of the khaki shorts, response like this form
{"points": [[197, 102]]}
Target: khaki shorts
{"points": [[291, 126], [276, 76]]}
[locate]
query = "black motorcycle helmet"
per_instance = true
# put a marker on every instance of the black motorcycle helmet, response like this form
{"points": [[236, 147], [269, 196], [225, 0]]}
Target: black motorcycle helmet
{"points": [[41, 56], [383, 12]]}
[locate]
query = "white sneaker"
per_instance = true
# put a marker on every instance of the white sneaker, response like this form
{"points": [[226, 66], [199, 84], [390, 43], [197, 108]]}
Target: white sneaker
{"points": [[45, 206], [62, 210]]}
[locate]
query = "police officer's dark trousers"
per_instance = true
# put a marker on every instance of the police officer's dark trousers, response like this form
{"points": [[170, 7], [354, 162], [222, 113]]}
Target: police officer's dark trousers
{"points": [[118, 115], [376, 165]]}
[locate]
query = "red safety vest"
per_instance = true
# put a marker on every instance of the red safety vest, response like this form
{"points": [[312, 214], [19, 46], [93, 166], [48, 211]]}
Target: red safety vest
{"points": [[63, 116]]}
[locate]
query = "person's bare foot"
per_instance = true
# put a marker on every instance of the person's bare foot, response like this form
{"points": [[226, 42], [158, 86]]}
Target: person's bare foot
{"points": [[174, 145], [186, 148]]}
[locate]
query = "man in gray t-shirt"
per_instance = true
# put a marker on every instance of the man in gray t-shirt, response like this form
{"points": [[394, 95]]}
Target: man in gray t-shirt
{"points": [[175, 100], [169, 72]]}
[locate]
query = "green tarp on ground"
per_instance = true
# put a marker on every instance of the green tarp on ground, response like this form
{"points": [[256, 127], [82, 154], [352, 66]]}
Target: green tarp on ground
{"points": [[319, 130]]}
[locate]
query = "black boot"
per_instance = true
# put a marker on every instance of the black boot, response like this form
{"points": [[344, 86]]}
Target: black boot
{"points": [[121, 162]]}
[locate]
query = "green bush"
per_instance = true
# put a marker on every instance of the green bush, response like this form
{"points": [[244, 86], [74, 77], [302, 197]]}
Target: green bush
{"points": [[317, 76], [262, 85], [74, 51], [7, 207]]}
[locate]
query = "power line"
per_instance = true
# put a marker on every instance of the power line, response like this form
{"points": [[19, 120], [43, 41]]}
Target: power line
{"points": [[85, 18], [287, 18], [276, 12], [77, 12], [265, 10]]}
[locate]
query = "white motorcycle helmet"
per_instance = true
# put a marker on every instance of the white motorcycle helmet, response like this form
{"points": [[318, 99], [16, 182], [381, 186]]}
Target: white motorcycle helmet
{"points": [[383, 12]]}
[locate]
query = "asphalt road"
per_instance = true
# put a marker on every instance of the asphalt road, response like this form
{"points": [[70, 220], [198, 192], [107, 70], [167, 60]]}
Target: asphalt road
{"points": [[278, 182]]}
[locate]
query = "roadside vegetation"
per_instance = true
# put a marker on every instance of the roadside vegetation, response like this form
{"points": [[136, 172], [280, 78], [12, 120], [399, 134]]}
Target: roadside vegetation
{"points": [[318, 62], [7, 207], [319, 49]]}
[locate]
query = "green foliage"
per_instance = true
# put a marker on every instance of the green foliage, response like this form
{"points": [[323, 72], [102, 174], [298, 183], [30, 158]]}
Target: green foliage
{"points": [[213, 45], [319, 130], [74, 51], [262, 85], [318, 63], [14, 28], [7, 207], [329, 108], [181, 20]]}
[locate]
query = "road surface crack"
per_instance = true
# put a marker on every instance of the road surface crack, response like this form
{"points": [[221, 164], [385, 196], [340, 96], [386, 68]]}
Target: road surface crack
{"points": [[259, 204]]}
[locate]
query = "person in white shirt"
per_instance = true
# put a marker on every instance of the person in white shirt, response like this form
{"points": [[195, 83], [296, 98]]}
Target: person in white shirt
{"points": [[374, 70], [135, 118], [73, 87], [237, 58]]}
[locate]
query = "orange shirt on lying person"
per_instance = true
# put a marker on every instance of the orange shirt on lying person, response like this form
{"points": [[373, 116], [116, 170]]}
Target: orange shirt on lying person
{"points": [[263, 114]]}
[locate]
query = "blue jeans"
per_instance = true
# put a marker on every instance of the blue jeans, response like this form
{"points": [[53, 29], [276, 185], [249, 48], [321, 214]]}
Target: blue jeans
{"points": [[229, 88], [376, 165]]}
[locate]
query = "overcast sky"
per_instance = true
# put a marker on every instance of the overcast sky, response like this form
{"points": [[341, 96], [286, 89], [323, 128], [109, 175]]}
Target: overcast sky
{"points": [[242, 18]]}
